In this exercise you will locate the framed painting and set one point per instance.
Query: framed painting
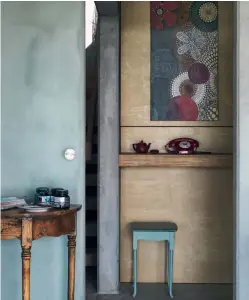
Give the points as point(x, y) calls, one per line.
point(184, 61)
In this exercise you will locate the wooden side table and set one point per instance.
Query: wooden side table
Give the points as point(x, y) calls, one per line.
point(18, 224)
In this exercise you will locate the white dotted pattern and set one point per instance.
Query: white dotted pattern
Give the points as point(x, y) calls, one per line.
point(176, 83)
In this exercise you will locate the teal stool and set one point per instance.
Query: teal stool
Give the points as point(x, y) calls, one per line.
point(154, 231)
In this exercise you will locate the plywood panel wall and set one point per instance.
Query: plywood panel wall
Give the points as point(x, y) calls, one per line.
point(198, 200)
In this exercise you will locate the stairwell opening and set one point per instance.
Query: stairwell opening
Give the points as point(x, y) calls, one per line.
point(91, 217)
point(91, 34)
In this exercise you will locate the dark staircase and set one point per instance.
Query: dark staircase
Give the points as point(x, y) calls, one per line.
point(91, 218)
point(91, 165)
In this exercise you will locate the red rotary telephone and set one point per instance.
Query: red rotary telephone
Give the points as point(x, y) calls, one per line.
point(182, 146)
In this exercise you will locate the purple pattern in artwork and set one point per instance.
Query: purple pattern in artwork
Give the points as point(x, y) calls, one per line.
point(184, 61)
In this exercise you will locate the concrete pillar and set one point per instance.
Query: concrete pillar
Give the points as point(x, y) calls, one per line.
point(241, 115)
point(108, 193)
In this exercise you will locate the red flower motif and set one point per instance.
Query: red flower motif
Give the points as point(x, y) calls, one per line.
point(163, 11)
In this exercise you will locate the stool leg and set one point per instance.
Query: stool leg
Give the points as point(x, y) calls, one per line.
point(134, 266)
point(170, 264)
point(170, 272)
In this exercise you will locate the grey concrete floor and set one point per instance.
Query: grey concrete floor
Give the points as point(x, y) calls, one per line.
point(157, 291)
point(153, 291)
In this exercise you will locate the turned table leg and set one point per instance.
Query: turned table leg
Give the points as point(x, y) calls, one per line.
point(26, 256)
point(71, 265)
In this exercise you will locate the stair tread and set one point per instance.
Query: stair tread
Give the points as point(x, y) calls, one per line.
point(93, 160)
point(91, 229)
point(91, 233)
point(91, 180)
point(91, 250)
point(91, 224)
point(91, 259)
point(91, 204)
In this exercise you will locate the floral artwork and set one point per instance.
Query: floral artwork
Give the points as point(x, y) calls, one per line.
point(184, 61)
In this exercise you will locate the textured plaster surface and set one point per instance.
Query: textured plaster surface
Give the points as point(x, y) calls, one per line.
point(108, 194)
point(42, 114)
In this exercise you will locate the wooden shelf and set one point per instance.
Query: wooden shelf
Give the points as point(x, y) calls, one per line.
point(176, 161)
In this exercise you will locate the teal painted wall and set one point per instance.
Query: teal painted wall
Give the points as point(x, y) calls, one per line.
point(42, 115)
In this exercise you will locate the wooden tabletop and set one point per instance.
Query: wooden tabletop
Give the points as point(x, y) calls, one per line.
point(18, 213)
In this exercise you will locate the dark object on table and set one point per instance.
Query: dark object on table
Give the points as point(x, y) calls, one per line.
point(182, 146)
point(60, 198)
point(42, 196)
point(154, 151)
point(54, 190)
point(141, 147)
point(11, 202)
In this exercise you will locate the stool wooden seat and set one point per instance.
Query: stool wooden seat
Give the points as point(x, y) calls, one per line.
point(154, 231)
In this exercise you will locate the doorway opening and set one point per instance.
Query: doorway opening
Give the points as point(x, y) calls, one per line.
point(91, 43)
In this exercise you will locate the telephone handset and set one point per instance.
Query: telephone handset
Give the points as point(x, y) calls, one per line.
point(182, 146)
